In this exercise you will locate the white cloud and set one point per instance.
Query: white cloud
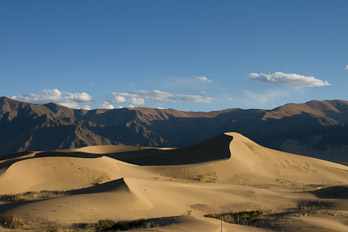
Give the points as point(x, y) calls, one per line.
point(347, 67)
point(154, 95)
point(193, 98)
point(254, 75)
point(86, 107)
point(67, 99)
point(204, 79)
point(134, 95)
point(138, 97)
point(48, 95)
point(119, 99)
point(289, 79)
point(136, 101)
point(80, 97)
point(69, 104)
point(107, 105)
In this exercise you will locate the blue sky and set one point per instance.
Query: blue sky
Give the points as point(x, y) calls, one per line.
point(185, 54)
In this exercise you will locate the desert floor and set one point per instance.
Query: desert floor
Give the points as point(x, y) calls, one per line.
point(252, 188)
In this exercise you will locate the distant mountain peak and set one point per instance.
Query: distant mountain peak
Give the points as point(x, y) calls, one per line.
point(315, 128)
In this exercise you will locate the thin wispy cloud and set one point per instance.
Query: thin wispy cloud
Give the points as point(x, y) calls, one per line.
point(64, 98)
point(289, 79)
point(204, 79)
point(263, 98)
point(192, 98)
point(347, 67)
point(139, 97)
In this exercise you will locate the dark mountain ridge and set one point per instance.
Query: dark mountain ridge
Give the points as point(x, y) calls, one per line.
point(315, 128)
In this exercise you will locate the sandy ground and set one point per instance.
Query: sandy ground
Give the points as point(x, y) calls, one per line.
point(227, 174)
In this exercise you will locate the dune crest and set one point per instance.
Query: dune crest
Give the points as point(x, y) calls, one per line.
point(250, 163)
point(227, 173)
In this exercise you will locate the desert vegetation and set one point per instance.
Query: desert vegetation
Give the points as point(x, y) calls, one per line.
point(32, 195)
point(13, 222)
point(17, 223)
point(273, 220)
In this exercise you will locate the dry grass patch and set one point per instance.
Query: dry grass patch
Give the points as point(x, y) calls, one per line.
point(13, 222)
point(31, 196)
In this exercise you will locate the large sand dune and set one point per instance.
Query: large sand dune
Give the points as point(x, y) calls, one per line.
point(176, 187)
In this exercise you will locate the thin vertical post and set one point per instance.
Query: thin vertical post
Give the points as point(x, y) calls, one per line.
point(221, 225)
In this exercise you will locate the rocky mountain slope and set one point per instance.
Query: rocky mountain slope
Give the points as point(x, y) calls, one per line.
point(316, 128)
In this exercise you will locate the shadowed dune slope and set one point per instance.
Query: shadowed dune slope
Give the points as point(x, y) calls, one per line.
point(230, 157)
point(333, 192)
point(249, 163)
point(211, 150)
point(223, 174)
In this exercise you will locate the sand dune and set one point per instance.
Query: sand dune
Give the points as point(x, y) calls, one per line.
point(250, 163)
point(226, 174)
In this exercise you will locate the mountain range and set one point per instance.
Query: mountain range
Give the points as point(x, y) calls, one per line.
point(316, 128)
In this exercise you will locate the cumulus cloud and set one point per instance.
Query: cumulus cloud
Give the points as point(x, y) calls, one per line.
point(119, 99)
point(289, 79)
point(80, 97)
point(347, 67)
point(138, 97)
point(136, 101)
point(67, 99)
point(107, 105)
point(204, 79)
